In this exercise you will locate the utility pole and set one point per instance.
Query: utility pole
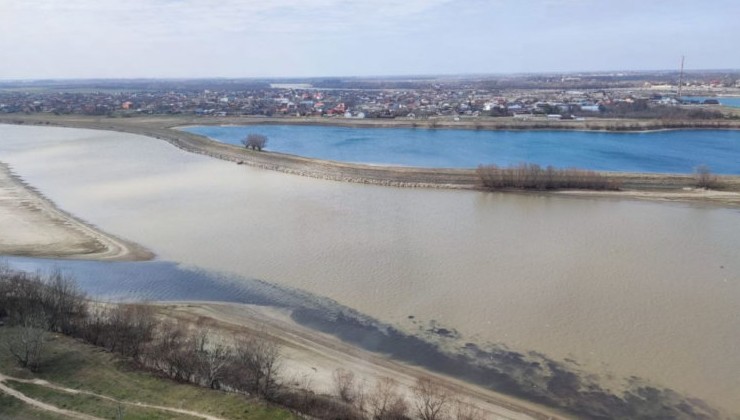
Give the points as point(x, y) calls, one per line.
point(680, 78)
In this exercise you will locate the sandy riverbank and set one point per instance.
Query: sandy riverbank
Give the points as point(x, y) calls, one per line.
point(311, 357)
point(662, 187)
point(692, 195)
point(32, 225)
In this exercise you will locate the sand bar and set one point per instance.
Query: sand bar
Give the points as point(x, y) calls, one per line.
point(31, 225)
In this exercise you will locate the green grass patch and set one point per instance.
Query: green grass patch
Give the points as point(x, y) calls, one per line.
point(13, 408)
point(92, 405)
point(72, 364)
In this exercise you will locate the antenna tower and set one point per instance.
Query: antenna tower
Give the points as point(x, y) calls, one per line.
point(680, 78)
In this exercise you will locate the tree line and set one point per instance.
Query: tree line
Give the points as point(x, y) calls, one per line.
point(33, 305)
point(530, 176)
point(640, 108)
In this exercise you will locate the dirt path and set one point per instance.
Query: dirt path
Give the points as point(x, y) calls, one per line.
point(41, 405)
point(52, 408)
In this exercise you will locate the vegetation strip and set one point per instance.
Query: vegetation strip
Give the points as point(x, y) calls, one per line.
point(534, 177)
point(45, 384)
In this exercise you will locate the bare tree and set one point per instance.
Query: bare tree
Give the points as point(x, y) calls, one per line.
point(142, 326)
point(26, 344)
point(258, 362)
point(166, 353)
point(385, 402)
point(183, 359)
point(344, 385)
point(21, 296)
point(65, 303)
point(213, 360)
point(704, 178)
point(93, 328)
point(54, 300)
point(430, 399)
point(255, 141)
point(128, 328)
point(306, 397)
point(361, 397)
point(467, 411)
point(533, 176)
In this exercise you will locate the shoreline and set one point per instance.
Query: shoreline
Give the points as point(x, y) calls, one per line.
point(33, 226)
point(312, 355)
point(611, 125)
point(643, 186)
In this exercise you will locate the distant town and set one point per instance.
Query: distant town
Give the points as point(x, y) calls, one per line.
point(570, 96)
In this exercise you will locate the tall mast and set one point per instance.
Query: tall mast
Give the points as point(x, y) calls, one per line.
point(680, 79)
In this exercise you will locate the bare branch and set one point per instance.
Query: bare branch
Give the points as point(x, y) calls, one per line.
point(430, 399)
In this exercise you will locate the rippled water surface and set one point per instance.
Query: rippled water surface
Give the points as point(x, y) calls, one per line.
point(631, 288)
point(662, 152)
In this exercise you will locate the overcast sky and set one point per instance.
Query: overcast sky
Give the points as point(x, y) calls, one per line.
point(296, 38)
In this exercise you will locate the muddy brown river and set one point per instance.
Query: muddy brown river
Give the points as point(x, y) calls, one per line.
point(621, 287)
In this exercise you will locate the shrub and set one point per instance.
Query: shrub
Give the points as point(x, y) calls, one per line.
point(704, 178)
point(529, 176)
point(255, 141)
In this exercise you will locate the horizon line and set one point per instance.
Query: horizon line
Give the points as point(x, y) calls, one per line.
point(379, 76)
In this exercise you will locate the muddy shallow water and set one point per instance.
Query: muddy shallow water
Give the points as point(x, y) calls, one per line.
point(621, 287)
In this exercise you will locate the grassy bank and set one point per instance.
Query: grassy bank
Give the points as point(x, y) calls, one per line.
point(12, 408)
point(92, 405)
point(79, 366)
